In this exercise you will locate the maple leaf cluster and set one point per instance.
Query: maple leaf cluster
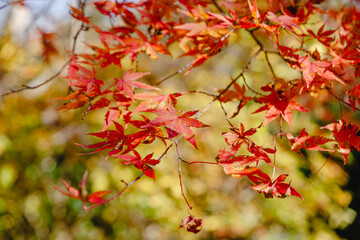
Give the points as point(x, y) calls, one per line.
point(192, 224)
point(138, 113)
point(247, 165)
point(81, 193)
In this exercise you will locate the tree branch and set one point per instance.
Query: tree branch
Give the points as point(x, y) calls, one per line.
point(36, 86)
point(175, 73)
point(226, 114)
point(25, 87)
point(340, 99)
point(265, 52)
point(217, 6)
point(228, 86)
point(179, 169)
point(10, 3)
point(119, 193)
point(82, 27)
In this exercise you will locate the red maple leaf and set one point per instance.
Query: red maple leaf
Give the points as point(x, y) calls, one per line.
point(260, 152)
point(128, 83)
point(83, 78)
point(354, 96)
point(286, 21)
point(49, 48)
point(237, 95)
point(321, 68)
point(323, 36)
point(347, 135)
point(109, 8)
point(104, 56)
point(237, 136)
point(237, 166)
point(144, 164)
point(277, 188)
point(179, 123)
point(192, 224)
point(75, 100)
point(112, 115)
point(81, 193)
point(279, 103)
point(152, 100)
point(115, 140)
point(79, 14)
point(146, 136)
point(304, 141)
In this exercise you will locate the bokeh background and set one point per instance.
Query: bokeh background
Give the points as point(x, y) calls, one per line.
point(37, 150)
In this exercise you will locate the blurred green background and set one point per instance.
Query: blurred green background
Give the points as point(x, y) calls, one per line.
point(37, 150)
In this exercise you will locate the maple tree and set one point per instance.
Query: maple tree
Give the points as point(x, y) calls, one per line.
point(137, 113)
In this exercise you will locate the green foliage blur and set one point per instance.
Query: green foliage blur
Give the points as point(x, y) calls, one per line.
point(37, 150)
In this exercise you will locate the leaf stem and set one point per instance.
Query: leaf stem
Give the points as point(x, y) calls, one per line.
point(324, 163)
point(180, 179)
point(119, 193)
point(25, 87)
point(226, 114)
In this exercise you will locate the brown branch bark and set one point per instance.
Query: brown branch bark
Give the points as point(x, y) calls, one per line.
point(180, 178)
point(25, 87)
point(39, 85)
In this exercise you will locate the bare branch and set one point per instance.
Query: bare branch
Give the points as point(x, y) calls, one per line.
point(325, 163)
point(205, 93)
point(175, 73)
point(247, 85)
point(10, 3)
point(127, 185)
point(265, 52)
point(217, 6)
point(179, 169)
point(25, 87)
point(226, 114)
point(269, 64)
point(83, 27)
point(227, 35)
point(229, 85)
point(340, 99)
point(197, 162)
point(36, 86)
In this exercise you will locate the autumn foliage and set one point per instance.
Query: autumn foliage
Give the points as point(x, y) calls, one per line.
point(138, 113)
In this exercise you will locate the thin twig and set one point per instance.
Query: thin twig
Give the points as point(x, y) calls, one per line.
point(265, 52)
point(127, 185)
point(340, 99)
point(217, 6)
point(179, 169)
point(39, 85)
point(82, 27)
point(135, 180)
point(199, 162)
point(25, 87)
point(274, 170)
point(324, 163)
point(10, 3)
point(175, 73)
point(238, 76)
point(251, 89)
point(228, 86)
point(269, 64)
point(205, 93)
point(226, 114)
point(223, 38)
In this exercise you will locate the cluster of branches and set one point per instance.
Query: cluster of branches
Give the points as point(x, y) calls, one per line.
point(202, 29)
